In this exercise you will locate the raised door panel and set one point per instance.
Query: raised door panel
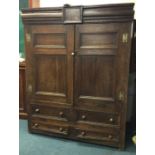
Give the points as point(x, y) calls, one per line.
point(50, 64)
point(51, 74)
point(98, 66)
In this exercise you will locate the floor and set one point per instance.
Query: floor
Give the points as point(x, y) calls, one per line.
point(35, 144)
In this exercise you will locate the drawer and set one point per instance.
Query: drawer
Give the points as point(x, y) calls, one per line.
point(50, 126)
point(98, 117)
point(53, 112)
point(98, 136)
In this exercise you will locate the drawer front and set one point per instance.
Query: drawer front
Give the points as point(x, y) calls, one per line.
point(53, 112)
point(83, 132)
point(98, 117)
point(50, 126)
point(98, 136)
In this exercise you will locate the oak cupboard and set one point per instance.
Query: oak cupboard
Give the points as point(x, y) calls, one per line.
point(77, 61)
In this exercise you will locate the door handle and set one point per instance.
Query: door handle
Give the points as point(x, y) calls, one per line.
point(72, 53)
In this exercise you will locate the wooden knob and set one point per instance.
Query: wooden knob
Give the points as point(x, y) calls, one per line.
point(61, 129)
point(110, 136)
point(83, 133)
point(37, 110)
point(35, 125)
point(83, 117)
point(61, 114)
point(111, 120)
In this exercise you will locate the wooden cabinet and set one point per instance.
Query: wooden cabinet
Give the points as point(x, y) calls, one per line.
point(77, 71)
point(22, 103)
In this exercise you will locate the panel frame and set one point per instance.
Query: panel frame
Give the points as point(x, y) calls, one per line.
point(41, 97)
point(105, 103)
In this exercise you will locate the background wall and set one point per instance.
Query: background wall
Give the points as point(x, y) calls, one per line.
point(22, 4)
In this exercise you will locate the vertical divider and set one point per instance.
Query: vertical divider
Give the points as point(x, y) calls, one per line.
point(70, 57)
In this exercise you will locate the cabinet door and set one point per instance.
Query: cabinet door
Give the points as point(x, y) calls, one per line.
point(49, 63)
point(101, 66)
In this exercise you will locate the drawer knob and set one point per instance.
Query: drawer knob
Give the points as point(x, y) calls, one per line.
point(61, 114)
point(111, 120)
point(83, 133)
point(60, 129)
point(35, 125)
point(37, 110)
point(83, 116)
point(72, 53)
point(110, 136)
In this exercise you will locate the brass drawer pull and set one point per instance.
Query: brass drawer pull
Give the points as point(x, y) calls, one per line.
point(83, 117)
point(61, 114)
point(37, 110)
point(110, 137)
point(61, 129)
point(83, 133)
point(35, 125)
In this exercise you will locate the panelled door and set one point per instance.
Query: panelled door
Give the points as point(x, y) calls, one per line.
point(101, 66)
point(50, 63)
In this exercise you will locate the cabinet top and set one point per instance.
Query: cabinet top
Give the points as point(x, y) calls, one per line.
point(79, 14)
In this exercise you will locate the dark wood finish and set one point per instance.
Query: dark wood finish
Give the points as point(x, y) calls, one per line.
point(91, 14)
point(77, 71)
point(22, 103)
point(72, 14)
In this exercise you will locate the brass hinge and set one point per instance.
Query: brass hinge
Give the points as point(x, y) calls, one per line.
point(28, 37)
point(29, 88)
point(125, 37)
point(121, 96)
